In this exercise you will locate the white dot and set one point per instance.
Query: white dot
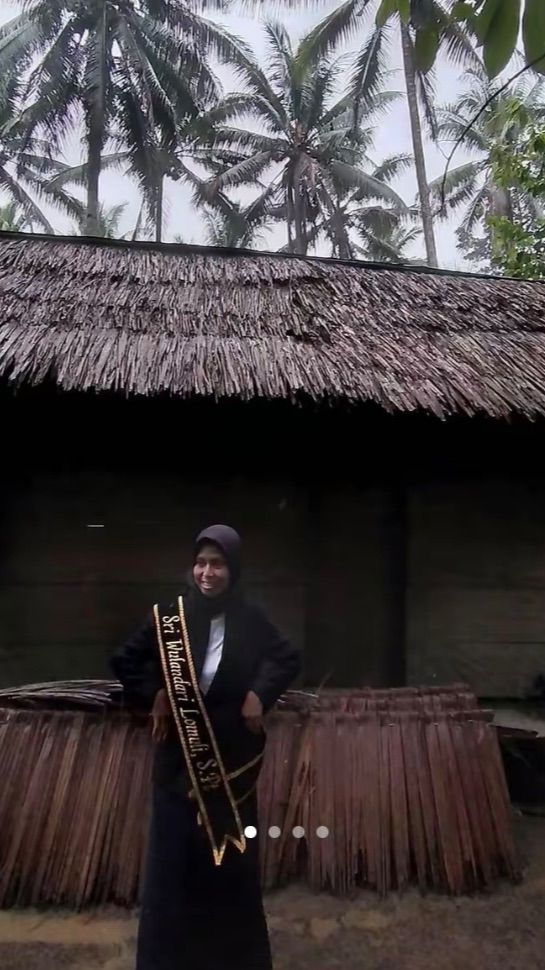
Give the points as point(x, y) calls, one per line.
point(275, 832)
point(298, 832)
point(322, 831)
point(250, 831)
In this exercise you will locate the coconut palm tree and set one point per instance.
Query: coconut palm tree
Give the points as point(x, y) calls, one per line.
point(471, 186)
point(386, 235)
point(109, 219)
point(372, 231)
point(353, 224)
point(296, 143)
point(428, 27)
point(128, 70)
point(26, 172)
point(12, 219)
point(232, 227)
point(227, 222)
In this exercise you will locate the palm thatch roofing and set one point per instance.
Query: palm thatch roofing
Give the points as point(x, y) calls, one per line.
point(143, 319)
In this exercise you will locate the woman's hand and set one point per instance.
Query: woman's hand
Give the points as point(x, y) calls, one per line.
point(252, 712)
point(160, 714)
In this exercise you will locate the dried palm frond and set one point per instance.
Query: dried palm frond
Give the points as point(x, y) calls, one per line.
point(409, 784)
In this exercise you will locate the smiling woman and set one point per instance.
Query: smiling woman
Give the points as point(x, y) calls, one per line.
point(211, 572)
point(207, 668)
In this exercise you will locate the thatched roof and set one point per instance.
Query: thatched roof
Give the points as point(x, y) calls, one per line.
point(144, 319)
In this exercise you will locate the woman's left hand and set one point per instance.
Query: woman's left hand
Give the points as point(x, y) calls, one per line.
point(252, 712)
point(161, 714)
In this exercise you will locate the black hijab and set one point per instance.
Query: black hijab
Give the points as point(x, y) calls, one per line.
point(228, 542)
point(202, 609)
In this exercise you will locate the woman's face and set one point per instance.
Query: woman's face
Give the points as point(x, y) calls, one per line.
point(210, 571)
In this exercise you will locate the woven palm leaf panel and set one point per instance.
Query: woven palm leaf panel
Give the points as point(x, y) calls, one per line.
point(405, 788)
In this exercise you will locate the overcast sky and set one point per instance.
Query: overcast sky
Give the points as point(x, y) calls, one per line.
point(392, 136)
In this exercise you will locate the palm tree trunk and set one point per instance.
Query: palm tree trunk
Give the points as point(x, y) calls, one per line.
point(290, 218)
point(341, 232)
point(418, 146)
point(93, 175)
point(300, 234)
point(96, 115)
point(159, 208)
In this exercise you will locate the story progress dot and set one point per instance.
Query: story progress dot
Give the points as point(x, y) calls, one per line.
point(275, 832)
point(322, 831)
point(298, 832)
point(250, 831)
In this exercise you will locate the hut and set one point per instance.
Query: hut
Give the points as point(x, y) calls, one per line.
point(375, 432)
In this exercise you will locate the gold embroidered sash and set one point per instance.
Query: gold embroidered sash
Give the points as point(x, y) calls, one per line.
point(218, 810)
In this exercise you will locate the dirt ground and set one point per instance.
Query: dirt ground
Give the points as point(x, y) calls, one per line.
point(501, 931)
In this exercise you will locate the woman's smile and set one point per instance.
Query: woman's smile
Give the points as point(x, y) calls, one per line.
point(210, 571)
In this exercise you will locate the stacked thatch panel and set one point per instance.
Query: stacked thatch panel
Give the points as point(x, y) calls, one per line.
point(385, 789)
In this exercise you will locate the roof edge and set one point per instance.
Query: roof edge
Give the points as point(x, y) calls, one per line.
point(230, 251)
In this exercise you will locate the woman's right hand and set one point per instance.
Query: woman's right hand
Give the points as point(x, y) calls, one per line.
point(160, 715)
point(252, 712)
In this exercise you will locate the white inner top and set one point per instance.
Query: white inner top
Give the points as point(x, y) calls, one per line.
point(213, 652)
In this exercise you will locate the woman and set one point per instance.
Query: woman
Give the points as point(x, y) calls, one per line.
point(207, 668)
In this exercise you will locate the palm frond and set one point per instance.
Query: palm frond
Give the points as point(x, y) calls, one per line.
point(334, 30)
point(139, 139)
point(12, 219)
point(228, 49)
point(267, 205)
point(243, 106)
point(53, 87)
point(393, 166)
point(280, 57)
point(459, 189)
point(180, 71)
point(15, 190)
point(426, 93)
point(239, 140)
point(78, 174)
point(19, 39)
point(453, 128)
point(56, 197)
point(378, 248)
point(380, 220)
point(457, 179)
point(458, 42)
point(159, 108)
point(475, 212)
point(317, 88)
point(380, 103)
point(246, 172)
point(341, 109)
point(349, 177)
point(370, 71)
point(27, 160)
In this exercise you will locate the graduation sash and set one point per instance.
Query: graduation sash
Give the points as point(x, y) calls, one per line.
point(218, 811)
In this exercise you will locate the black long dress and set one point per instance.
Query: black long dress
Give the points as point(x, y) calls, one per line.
point(196, 915)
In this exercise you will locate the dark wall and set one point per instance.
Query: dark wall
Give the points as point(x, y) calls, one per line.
point(387, 546)
point(356, 623)
point(70, 591)
point(476, 594)
point(321, 544)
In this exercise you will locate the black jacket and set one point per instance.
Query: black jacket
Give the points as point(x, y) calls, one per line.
point(255, 657)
